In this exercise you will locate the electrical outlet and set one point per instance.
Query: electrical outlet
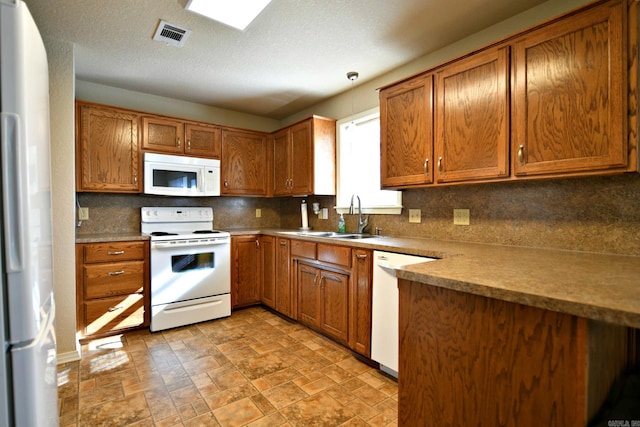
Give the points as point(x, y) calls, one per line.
point(415, 215)
point(258, 213)
point(83, 214)
point(461, 217)
point(324, 214)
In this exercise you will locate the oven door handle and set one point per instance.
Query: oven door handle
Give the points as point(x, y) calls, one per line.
point(165, 245)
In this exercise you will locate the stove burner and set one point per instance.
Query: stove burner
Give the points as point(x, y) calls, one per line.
point(206, 232)
point(163, 233)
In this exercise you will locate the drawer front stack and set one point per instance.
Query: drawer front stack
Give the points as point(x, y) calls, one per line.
point(113, 283)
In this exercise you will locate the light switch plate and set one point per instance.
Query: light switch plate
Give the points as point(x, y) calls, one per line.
point(461, 217)
point(415, 216)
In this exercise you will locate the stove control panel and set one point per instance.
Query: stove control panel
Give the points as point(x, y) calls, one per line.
point(171, 214)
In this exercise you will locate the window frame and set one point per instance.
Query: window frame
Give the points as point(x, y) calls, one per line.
point(343, 201)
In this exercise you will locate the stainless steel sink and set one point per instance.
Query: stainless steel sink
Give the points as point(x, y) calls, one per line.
point(355, 236)
point(334, 234)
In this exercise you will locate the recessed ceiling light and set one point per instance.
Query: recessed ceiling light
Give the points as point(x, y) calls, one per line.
point(236, 13)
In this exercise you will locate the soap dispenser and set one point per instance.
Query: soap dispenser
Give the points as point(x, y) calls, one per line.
point(341, 226)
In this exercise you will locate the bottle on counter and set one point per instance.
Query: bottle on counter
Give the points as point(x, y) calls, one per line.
point(341, 226)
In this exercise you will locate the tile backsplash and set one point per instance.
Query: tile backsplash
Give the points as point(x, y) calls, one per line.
point(595, 214)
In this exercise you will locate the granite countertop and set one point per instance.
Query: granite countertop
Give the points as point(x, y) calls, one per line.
point(109, 237)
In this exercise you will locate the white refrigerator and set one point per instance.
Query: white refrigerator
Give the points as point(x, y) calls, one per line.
point(28, 383)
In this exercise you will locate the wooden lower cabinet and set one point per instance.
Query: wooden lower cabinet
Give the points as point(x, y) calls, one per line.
point(472, 360)
point(360, 303)
point(112, 287)
point(323, 300)
point(283, 291)
point(245, 271)
point(268, 260)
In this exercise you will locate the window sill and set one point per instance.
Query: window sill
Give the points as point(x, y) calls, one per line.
point(376, 210)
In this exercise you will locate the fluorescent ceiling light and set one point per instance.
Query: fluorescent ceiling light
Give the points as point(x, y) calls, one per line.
point(235, 13)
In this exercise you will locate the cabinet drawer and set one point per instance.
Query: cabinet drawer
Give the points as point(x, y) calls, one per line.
point(303, 249)
point(114, 251)
point(340, 255)
point(110, 314)
point(118, 278)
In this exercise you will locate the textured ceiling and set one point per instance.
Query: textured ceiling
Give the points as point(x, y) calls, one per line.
point(294, 54)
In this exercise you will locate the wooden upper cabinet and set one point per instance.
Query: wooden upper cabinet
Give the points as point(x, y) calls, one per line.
point(173, 136)
point(406, 137)
point(472, 118)
point(304, 158)
point(281, 162)
point(107, 150)
point(162, 134)
point(244, 163)
point(569, 95)
point(202, 140)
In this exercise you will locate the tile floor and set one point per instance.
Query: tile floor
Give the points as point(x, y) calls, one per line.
point(253, 368)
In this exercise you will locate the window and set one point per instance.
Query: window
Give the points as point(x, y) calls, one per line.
point(359, 166)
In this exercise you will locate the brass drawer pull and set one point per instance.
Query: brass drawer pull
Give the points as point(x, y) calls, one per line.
point(115, 253)
point(116, 308)
point(361, 256)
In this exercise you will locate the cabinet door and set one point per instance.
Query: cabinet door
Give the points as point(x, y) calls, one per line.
point(283, 291)
point(162, 135)
point(202, 140)
point(360, 302)
point(281, 163)
point(334, 290)
point(308, 279)
point(108, 158)
point(301, 159)
point(246, 271)
point(243, 163)
point(406, 133)
point(570, 95)
point(268, 283)
point(472, 118)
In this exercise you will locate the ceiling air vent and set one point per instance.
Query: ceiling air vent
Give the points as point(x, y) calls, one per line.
point(171, 34)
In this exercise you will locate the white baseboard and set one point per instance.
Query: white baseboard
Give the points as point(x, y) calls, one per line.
point(70, 356)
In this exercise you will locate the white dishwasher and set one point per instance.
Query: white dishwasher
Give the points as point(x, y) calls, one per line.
point(384, 327)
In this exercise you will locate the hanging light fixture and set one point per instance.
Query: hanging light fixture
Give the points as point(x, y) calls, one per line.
point(353, 76)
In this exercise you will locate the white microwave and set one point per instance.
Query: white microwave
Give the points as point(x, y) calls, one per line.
point(168, 175)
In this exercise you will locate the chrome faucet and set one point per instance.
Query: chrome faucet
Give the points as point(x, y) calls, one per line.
point(362, 223)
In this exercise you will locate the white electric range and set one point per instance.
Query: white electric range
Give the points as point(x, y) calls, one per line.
point(190, 266)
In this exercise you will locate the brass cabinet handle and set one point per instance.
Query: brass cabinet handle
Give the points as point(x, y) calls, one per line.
point(135, 178)
point(115, 252)
point(179, 143)
point(116, 273)
point(283, 243)
point(226, 183)
point(426, 166)
point(521, 155)
point(440, 164)
point(117, 307)
point(361, 256)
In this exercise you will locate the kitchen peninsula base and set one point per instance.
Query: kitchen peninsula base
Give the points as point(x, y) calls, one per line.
point(472, 360)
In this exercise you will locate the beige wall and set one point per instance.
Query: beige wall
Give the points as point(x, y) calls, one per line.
point(61, 93)
point(108, 95)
